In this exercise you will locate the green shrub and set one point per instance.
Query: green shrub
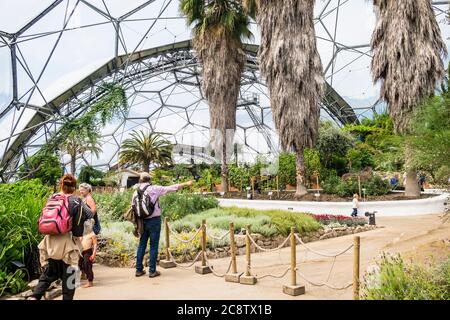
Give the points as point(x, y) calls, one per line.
point(178, 205)
point(376, 186)
point(396, 280)
point(112, 206)
point(20, 208)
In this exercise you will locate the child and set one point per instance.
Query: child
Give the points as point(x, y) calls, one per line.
point(355, 203)
point(89, 243)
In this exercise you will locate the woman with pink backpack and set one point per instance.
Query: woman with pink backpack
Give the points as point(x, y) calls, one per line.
point(62, 223)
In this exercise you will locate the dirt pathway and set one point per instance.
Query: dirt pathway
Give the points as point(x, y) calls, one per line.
point(398, 234)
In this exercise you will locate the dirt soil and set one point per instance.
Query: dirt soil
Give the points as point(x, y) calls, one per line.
point(290, 196)
point(418, 237)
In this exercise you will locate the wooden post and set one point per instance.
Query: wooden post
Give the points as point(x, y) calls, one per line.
point(293, 289)
point(293, 258)
point(356, 264)
point(203, 269)
point(167, 263)
point(234, 275)
point(247, 278)
point(359, 185)
point(253, 186)
point(203, 242)
point(278, 187)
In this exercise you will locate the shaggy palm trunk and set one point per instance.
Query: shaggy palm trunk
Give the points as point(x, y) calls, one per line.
point(222, 61)
point(412, 188)
point(73, 160)
point(146, 166)
point(407, 60)
point(224, 168)
point(301, 169)
point(291, 64)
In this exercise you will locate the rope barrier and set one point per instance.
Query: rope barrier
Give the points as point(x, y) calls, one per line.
point(218, 238)
point(183, 240)
point(324, 284)
point(268, 250)
point(274, 276)
point(184, 266)
point(220, 275)
point(320, 253)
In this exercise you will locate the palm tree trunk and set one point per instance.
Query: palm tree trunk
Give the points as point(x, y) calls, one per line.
point(224, 172)
point(301, 189)
point(146, 166)
point(73, 159)
point(412, 188)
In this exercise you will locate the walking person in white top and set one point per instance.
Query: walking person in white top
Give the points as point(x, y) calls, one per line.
point(355, 203)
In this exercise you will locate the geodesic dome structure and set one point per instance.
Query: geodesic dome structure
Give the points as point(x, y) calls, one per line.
point(54, 54)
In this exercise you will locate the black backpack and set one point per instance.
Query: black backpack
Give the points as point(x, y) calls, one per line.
point(143, 207)
point(78, 217)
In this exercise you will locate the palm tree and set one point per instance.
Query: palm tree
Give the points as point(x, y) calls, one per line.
point(219, 28)
point(407, 48)
point(291, 64)
point(146, 148)
point(77, 145)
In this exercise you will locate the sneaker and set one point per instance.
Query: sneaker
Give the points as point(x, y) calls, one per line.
point(154, 274)
point(140, 273)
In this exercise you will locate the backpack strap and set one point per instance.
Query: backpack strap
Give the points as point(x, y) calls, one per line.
point(142, 192)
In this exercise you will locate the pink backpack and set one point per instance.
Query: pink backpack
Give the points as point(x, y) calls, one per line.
point(55, 218)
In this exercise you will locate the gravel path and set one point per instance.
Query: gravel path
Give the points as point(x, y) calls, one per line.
point(398, 234)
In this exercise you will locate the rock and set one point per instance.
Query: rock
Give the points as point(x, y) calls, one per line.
point(241, 251)
point(240, 240)
point(220, 250)
point(26, 294)
point(260, 243)
point(33, 284)
point(321, 232)
point(52, 294)
point(256, 236)
point(306, 239)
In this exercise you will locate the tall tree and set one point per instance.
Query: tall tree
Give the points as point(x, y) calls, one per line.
point(407, 60)
point(291, 64)
point(76, 145)
point(219, 28)
point(146, 148)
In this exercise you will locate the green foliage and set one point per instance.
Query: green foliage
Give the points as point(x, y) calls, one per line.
point(226, 16)
point(442, 175)
point(121, 244)
point(397, 280)
point(91, 175)
point(379, 141)
point(430, 134)
point(266, 222)
point(312, 162)
point(360, 157)
point(44, 166)
point(287, 169)
point(374, 186)
point(177, 205)
point(146, 148)
point(20, 208)
point(333, 144)
point(111, 103)
point(112, 206)
point(208, 178)
point(239, 176)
